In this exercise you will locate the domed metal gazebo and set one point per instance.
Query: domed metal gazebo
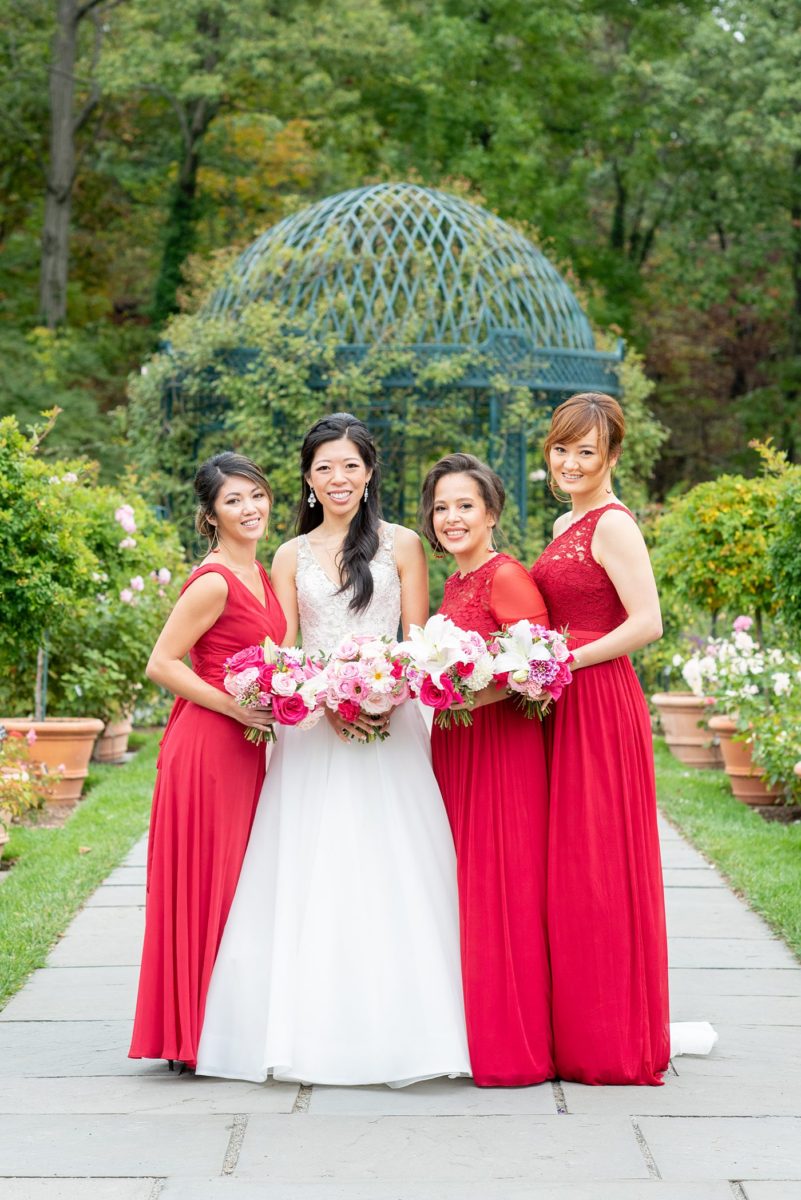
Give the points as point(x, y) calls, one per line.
point(409, 266)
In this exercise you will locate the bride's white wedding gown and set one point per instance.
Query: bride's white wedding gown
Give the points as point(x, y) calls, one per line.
point(340, 959)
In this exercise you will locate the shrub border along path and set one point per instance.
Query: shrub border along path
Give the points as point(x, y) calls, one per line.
point(58, 869)
point(761, 860)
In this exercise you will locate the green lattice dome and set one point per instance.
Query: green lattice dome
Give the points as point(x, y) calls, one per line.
point(407, 265)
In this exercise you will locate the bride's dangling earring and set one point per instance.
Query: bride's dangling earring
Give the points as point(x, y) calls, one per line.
point(312, 498)
point(366, 493)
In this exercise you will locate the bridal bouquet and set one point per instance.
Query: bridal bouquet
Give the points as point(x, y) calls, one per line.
point(533, 663)
point(445, 667)
point(364, 675)
point(282, 678)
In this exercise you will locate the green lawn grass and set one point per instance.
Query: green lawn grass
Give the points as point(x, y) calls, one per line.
point(57, 869)
point(760, 859)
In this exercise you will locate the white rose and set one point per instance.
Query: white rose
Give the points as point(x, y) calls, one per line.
point(283, 684)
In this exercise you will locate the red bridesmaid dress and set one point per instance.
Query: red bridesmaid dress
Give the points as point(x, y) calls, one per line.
point(208, 782)
point(606, 914)
point(493, 779)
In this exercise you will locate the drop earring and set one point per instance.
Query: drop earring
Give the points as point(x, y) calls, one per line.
point(312, 498)
point(366, 493)
point(214, 544)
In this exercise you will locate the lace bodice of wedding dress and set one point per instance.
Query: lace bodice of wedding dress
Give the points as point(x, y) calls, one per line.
point(325, 615)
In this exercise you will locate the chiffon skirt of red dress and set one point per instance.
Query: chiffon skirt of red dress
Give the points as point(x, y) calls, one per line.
point(208, 782)
point(494, 783)
point(606, 916)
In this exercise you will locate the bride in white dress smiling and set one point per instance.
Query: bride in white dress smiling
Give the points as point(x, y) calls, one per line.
point(340, 959)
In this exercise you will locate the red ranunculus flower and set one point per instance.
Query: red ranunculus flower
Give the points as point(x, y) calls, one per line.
point(348, 710)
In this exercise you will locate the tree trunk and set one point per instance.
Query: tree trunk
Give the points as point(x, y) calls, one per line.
point(180, 235)
point(61, 168)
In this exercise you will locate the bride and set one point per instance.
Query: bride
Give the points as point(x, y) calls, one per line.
point(340, 959)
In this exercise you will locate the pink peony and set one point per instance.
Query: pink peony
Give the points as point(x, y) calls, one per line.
point(289, 710)
point(348, 710)
point(240, 681)
point(441, 697)
point(251, 656)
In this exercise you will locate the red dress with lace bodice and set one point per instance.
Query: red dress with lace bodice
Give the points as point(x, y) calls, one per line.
point(606, 916)
point(493, 779)
point(208, 782)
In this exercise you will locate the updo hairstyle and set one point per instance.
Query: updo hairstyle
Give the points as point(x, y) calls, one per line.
point(489, 484)
point(209, 479)
point(576, 417)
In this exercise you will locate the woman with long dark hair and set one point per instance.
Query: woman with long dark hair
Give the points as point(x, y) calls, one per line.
point(209, 775)
point(340, 960)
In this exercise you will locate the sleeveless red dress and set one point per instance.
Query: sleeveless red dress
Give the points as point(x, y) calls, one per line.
point(207, 785)
point(493, 780)
point(606, 915)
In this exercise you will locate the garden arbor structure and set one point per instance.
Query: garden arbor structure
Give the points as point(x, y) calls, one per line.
point(410, 268)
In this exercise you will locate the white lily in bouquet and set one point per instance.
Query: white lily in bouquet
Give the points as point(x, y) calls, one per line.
point(533, 662)
point(446, 666)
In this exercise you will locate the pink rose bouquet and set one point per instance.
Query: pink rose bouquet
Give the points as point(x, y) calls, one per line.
point(365, 675)
point(284, 679)
point(445, 667)
point(533, 663)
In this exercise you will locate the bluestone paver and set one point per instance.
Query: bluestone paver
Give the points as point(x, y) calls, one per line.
point(81, 1121)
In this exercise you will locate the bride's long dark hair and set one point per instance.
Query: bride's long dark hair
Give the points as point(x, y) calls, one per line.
point(361, 542)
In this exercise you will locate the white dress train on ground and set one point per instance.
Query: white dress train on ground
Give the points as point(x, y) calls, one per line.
point(340, 959)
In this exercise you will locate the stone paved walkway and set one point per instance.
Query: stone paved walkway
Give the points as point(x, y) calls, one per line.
point(79, 1121)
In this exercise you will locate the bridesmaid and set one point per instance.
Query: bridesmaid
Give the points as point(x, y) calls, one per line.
point(493, 780)
point(209, 776)
point(606, 917)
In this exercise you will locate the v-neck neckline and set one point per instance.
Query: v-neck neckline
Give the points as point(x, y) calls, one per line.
point(319, 565)
point(261, 573)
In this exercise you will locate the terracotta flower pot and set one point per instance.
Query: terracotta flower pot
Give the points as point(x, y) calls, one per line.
point(112, 744)
point(65, 746)
point(681, 714)
point(746, 779)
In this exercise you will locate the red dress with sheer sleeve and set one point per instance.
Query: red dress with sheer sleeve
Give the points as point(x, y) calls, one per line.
point(606, 916)
point(207, 785)
point(493, 779)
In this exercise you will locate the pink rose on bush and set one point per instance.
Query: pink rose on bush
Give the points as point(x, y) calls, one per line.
point(289, 710)
point(138, 583)
point(743, 624)
point(164, 575)
point(126, 595)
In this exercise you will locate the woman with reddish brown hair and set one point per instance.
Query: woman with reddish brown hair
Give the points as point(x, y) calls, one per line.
point(606, 918)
